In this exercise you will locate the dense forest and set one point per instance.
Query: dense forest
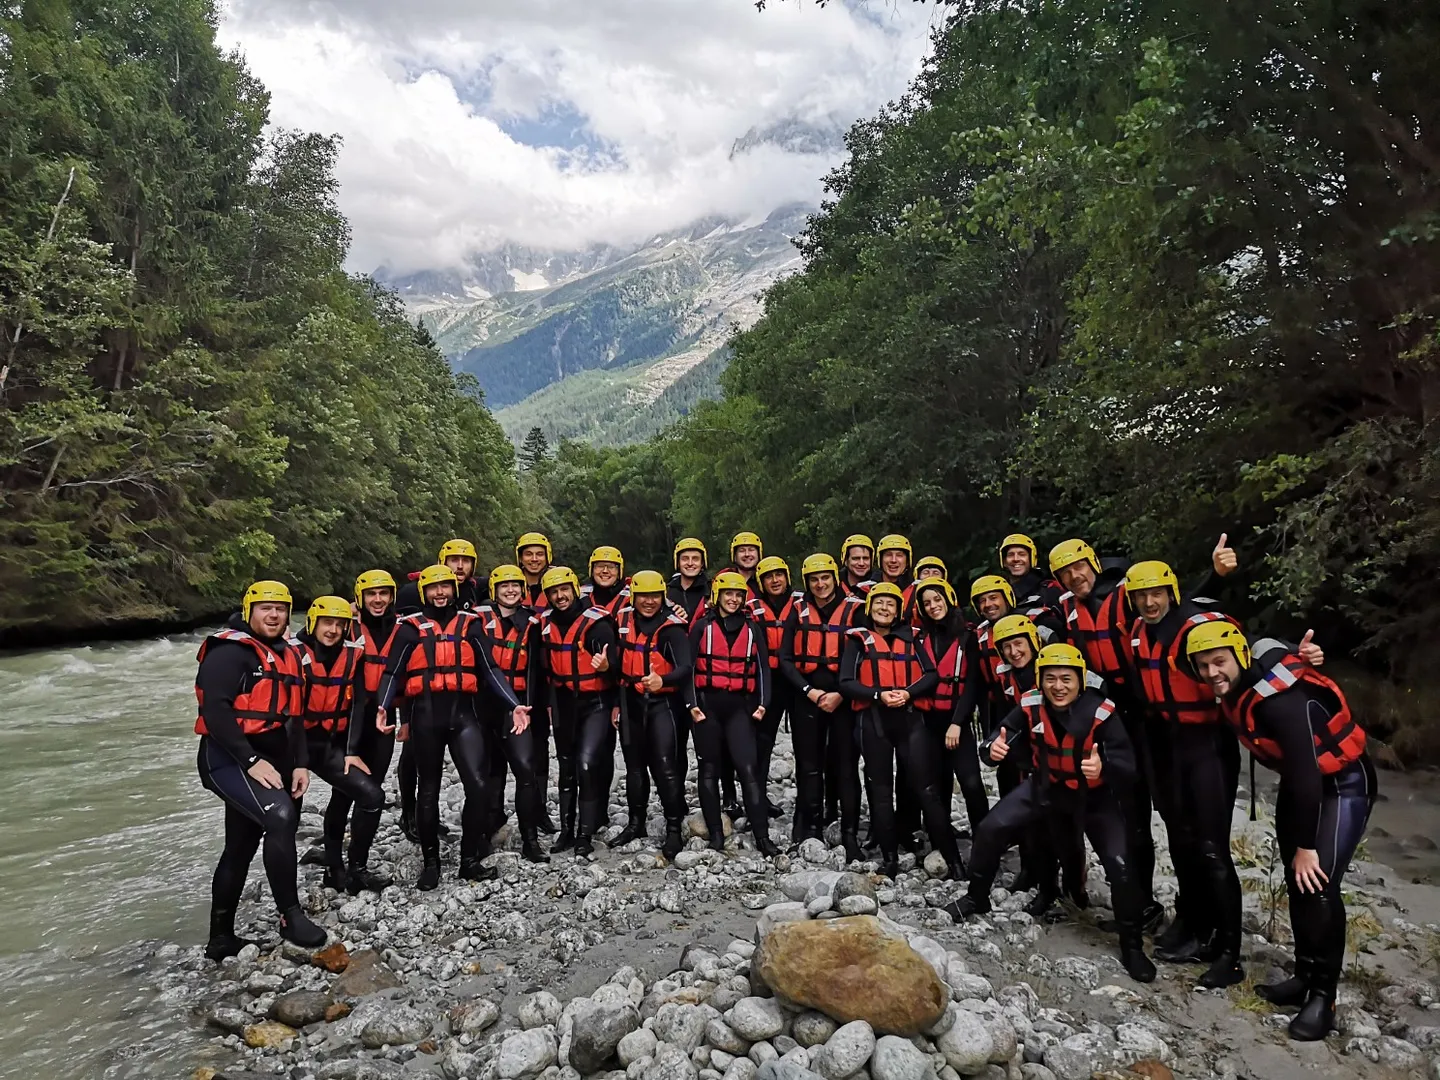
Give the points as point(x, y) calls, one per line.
point(193, 392)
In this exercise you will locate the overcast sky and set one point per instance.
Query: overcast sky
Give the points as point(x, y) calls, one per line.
point(559, 123)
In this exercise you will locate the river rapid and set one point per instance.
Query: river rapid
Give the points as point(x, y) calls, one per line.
point(107, 842)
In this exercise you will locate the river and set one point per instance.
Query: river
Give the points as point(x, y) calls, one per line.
point(107, 842)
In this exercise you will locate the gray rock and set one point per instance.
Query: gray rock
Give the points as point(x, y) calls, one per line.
point(599, 902)
point(762, 1052)
point(851, 884)
point(935, 865)
point(1081, 970)
point(669, 1063)
point(755, 1018)
point(814, 851)
point(967, 1044)
point(847, 1051)
point(300, 1007)
point(797, 886)
point(456, 1061)
point(1356, 1023)
point(1138, 1043)
point(225, 1018)
point(819, 904)
point(681, 1025)
point(742, 1068)
point(785, 1070)
point(776, 914)
point(898, 1059)
point(1080, 1055)
point(596, 1032)
point(812, 1028)
point(398, 1025)
point(473, 1017)
point(539, 1009)
point(859, 905)
point(527, 1053)
point(640, 1043)
point(1034, 1071)
point(969, 986)
point(722, 1036)
point(1399, 1055)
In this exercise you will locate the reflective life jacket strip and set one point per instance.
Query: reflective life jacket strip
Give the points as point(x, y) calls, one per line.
point(885, 665)
point(953, 668)
point(329, 692)
point(444, 661)
point(277, 694)
point(509, 650)
point(818, 644)
point(723, 665)
point(1172, 693)
point(567, 660)
point(1054, 751)
point(375, 658)
point(1099, 636)
point(638, 656)
point(1338, 742)
point(774, 626)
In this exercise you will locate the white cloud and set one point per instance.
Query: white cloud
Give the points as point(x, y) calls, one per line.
point(455, 113)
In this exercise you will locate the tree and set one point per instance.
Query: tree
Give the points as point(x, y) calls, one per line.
point(534, 451)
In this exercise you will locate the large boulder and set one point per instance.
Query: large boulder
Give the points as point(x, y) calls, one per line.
point(853, 969)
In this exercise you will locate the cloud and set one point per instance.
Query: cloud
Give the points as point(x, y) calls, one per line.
point(561, 123)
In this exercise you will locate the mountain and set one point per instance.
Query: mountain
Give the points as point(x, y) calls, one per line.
point(601, 344)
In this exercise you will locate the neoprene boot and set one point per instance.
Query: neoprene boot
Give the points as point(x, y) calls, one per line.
point(530, 849)
point(890, 864)
point(296, 927)
point(851, 844)
point(1316, 1017)
point(429, 876)
point(223, 941)
point(1291, 991)
point(360, 879)
point(673, 842)
point(590, 813)
point(566, 839)
point(472, 869)
point(635, 829)
point(1133, 959)
point(976, 901)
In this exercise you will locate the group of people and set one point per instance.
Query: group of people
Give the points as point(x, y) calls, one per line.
point(1097, 690)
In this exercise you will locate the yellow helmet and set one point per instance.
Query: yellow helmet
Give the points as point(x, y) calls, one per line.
point(1058, 656)
point(1019, 540)
point(373, 579)
point(1219, 634)
point(534, 539)
point(885, 588)
point(933, 560)
point(327, 607)
point(606, 553)
point(647, 582)
point(770, 564)
point(727, 580)
point(264, 592)
point(1013, 626)
point(819, 563)
point(503, 573)
point(937, 583)
point(457, 547)
point(1068, 552)
point(741, 539)
point(689, 543)
point(433, 575)
point(988, 584)
point(857, 540)
point(559, 575)
point(895, 542)
point(1152, 575)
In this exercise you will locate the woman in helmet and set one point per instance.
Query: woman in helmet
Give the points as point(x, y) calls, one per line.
point(440, 663)
point(883, 672)
point(1082, 758)
point(771, 609)
point(732, 694)
point(253, 756)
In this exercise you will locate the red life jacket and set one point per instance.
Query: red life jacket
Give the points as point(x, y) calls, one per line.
point(538, 601)
point(990, 659)
point(774, 625)
point(444, 661)
point(566, 657)
point(885, 664)
point(274, 698)
point(859, 590)
point(721, 665)
point(376, 655)
point(638, 655)
point(1054, 751)
point(329, 692)
point(509, 646)
point(1339, 743)
point(818, 643)
point(1170, 691)
point(1100, 636)
point(953, 668)
point(612, 606)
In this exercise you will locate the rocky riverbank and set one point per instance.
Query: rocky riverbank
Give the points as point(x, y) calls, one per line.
point(736, 967)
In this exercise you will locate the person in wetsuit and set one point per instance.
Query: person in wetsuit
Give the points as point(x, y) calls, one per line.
point(508, 625)
point(252, 755)
point(810, 649)
point(770, 610)
point(731, 702)
point(572, 653)
point(858, 556)
point(606, 587)
point(689, 590)
point(440, 662)
point(1031, 587)
point(334, 716)
point(655, 670)
point(1297, 722)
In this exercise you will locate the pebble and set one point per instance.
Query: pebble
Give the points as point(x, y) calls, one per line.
point(813, 1028)
point(847, 1051)
point(527, 1053)
point(858, 905)
point(755, 1018)
point(898, 1059)
point(638, 1044)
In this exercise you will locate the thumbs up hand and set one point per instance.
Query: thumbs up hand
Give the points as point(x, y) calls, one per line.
point(1223, 558)
point(600, 661)
point(652, 683)
point(999, 748)
point(1308, 651)
point(1092, 765)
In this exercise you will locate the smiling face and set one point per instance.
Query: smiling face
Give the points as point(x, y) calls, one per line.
point(992, 605)
point(269, 618)
point(730, 601)
point(533, 560)
point(747, 557)
point(894, 562)
point(928, 572)
point(377, 601)
point(884, 610)
point(605, 574)
point(329, 631)
point(691, 563)
point(509, 594)
point(1060, 685)
point(1017, 651)
point(858, 561)
point(934, 604)
point(1078, 578)
point(648, 604)
point(440, 594)
point(1017, 560)
point(821, 585)
point(1152, 605)
point(1219, 668)
point(775, 583)
point(561, 596)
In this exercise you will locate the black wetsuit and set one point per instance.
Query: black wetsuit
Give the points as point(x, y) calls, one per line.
point(375, 747)
point(518, 751)
point(650, 724)
point(961, 764)
point(253, 812)
point(782, 697)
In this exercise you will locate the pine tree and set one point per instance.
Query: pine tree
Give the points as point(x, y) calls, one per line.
point(534, 451)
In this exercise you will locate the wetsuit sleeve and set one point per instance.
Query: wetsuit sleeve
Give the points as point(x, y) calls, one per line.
point(675, 646)
point(220, 678)
point(850, 685)
point(407, 600)
point(1116, 751)
point(535, 668)
point(406, 639)
point(929, 678)
point(787, 654)
point(1017, 736)
point(1286, 719)
point(763, 679)
point(362, 711)
point(603, 635)
point(497, 683)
